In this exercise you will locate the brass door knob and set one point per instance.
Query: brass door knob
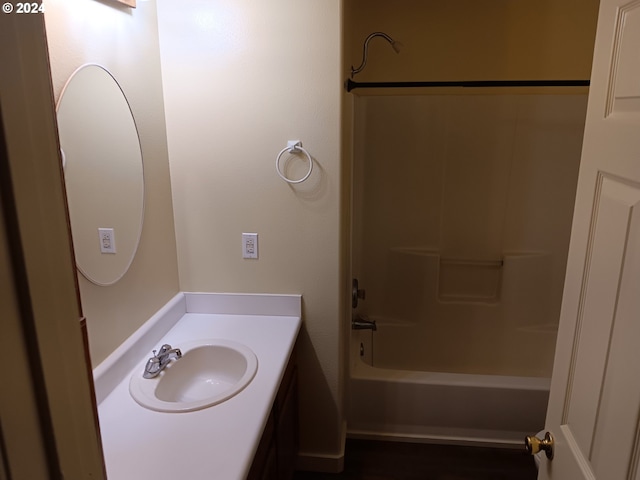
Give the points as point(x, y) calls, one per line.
point(534, 445)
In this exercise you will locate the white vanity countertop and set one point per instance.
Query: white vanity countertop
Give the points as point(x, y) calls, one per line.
point(213, 443)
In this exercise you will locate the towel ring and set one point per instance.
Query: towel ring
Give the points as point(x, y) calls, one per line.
point(294, 146)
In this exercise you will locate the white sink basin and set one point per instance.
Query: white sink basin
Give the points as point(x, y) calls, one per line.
point(209, 372)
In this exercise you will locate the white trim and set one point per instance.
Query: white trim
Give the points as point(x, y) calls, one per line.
point(313, 462)
point(244, 304)
point(477, 438)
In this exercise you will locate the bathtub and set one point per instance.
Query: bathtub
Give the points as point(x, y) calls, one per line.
point(437, 407)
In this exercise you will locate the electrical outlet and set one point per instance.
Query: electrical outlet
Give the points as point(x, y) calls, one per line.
point(107, 240)
point(249, 245)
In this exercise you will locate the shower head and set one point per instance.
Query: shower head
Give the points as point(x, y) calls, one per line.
point(365, 50)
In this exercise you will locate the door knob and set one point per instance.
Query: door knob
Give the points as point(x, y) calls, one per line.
point(533, 445)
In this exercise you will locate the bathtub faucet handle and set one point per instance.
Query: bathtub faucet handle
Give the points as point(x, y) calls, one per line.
point(356, 293)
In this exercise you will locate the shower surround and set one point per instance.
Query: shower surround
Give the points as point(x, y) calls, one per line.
point(462, 215)
point(462, 208)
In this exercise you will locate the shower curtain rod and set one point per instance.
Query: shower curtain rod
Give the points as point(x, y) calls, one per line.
point(351, 85)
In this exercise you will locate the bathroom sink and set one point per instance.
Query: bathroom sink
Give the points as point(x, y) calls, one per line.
point(210, 372)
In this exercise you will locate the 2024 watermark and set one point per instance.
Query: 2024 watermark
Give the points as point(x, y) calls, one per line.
point(20, 7)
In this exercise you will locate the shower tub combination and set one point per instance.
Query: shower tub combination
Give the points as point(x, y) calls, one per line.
point(468, 369)
point(462, 206)
point(405, 405)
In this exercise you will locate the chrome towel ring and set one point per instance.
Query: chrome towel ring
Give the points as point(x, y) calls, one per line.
point(293, 147)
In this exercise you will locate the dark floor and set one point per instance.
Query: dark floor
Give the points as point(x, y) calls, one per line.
point(374, 460)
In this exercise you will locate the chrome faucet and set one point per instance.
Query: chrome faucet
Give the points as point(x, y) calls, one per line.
point(160, 360)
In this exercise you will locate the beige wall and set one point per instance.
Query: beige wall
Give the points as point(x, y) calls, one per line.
point(472, 39)
point(125, 41)
point(240, 79)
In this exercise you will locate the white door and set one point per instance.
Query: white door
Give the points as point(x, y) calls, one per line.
point(594, 408)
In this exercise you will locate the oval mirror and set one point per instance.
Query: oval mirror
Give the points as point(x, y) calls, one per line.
point(103, 173)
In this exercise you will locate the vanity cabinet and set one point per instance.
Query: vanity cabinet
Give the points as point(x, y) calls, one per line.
point(276, 454)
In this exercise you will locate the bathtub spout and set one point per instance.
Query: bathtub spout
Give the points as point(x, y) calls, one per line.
point(360, 323)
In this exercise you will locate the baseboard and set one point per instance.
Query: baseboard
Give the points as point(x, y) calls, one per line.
point(312, 462)
point(475, 441)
